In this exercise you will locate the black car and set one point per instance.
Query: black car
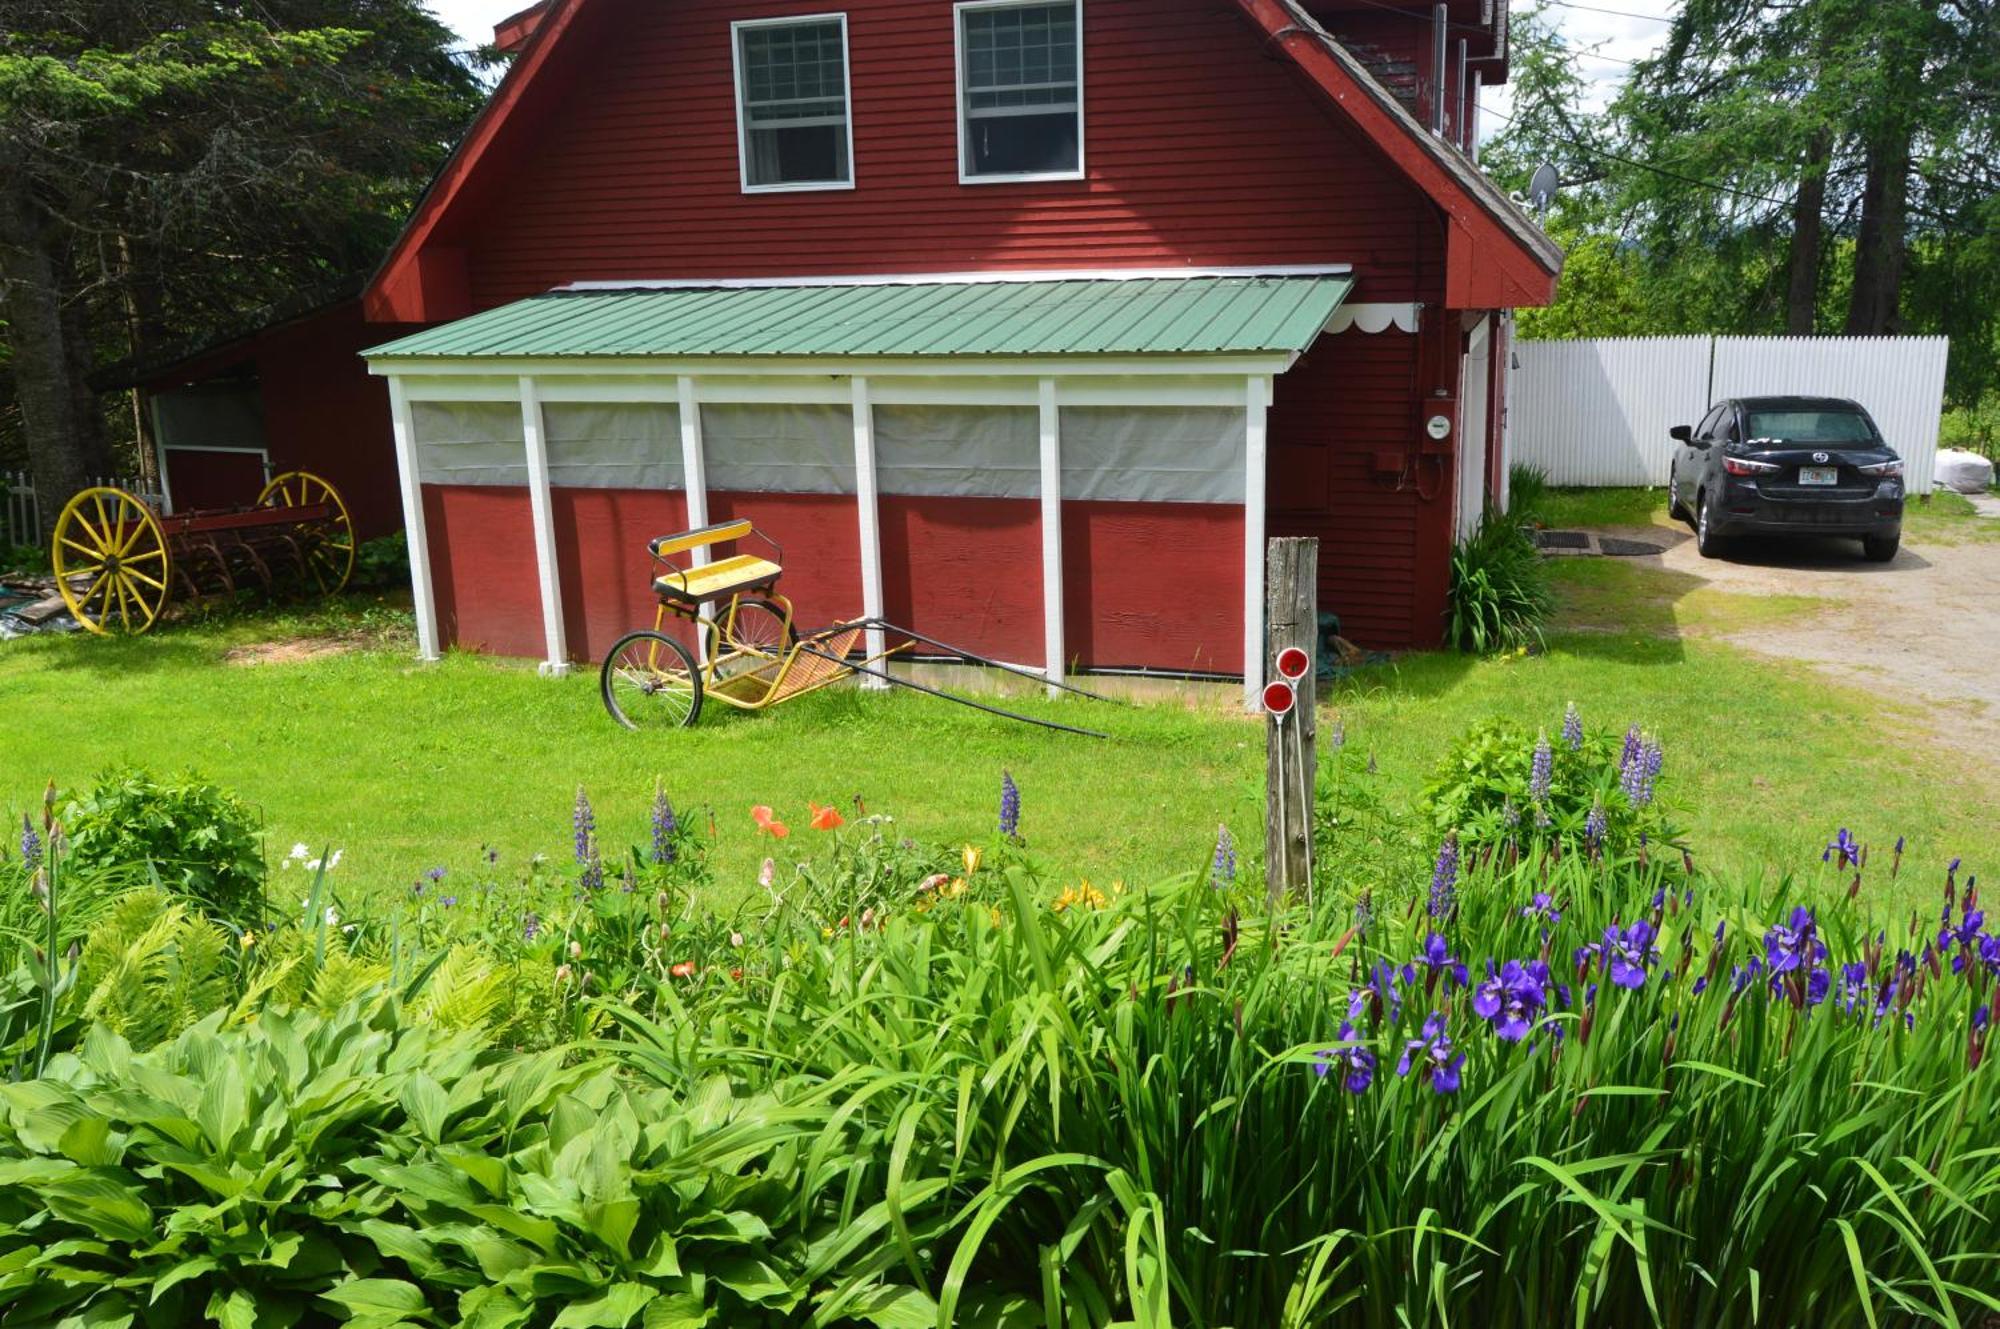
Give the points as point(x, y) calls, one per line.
point(1787, 466)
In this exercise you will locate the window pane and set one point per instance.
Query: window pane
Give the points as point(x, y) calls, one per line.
point(1021, 105)
point(794, 103)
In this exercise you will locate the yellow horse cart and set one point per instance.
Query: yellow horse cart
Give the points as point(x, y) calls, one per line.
point(724, 631)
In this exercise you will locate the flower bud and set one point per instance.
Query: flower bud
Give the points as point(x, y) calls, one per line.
point(576, 950)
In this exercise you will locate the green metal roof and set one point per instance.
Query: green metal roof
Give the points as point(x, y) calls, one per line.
point(1195, 315)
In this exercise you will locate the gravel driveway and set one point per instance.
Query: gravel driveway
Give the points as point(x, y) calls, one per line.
point(1924, 628)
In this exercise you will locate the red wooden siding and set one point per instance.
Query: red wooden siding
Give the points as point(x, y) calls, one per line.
point(820, 535)
point(204, 479)
point(482, 543)
point(605, 574)
point(323, 412)
point(1383, 556)
point(1154, 584)
point(1200, 150)
point(967, 571)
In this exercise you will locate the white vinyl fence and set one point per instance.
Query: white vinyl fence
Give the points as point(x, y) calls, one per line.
point(21, 510)
point(1597, 412)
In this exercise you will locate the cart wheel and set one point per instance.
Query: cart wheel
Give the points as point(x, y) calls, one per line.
point(329, 554)
point(650, 681)
point(758, 627)
point(111, 562)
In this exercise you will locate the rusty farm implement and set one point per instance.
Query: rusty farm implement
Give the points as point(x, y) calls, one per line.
point(119, 562)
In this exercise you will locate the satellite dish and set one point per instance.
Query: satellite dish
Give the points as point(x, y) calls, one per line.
point(1542, 187)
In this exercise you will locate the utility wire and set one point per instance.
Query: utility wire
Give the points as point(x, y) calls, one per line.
point(1621, 13)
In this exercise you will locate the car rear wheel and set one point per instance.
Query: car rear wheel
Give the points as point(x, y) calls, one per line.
point(1705, 538)
point(1880, 548)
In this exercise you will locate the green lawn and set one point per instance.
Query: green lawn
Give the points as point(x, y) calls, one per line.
point(408, 766)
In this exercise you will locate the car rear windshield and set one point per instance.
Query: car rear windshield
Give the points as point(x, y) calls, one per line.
point(1822, 429)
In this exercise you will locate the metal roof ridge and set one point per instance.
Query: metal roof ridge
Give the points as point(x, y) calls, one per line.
point(948, 278)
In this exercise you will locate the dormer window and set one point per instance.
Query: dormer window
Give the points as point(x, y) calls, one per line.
point(793, 129)
point(1020, 90)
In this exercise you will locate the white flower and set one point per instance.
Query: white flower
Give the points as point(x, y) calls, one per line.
point(332, 917)
point(299, 851)
point(334, 862)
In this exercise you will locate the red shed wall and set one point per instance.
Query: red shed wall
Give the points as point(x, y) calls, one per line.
point(1200, 150)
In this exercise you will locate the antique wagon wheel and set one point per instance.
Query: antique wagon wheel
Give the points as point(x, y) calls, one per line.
point(111, 561)
point(329, 551)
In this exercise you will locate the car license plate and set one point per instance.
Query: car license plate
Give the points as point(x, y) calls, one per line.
point(1819, 475)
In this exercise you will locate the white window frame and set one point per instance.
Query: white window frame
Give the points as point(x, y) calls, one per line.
point(736, 30)
point(965, 175)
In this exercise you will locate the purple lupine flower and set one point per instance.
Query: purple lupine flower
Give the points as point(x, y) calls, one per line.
point(1510, 996)
point(665, 823)
point(1509, 814)
point(1638, 768)
point(1438, 1063)
point(1338, 738)
point(1628, 953)
point(1542, 770)
point(1572, 727)
point(1444, 879)
point(1437, 958)
point(1634, 743)
point(531, 927)
point(1543, 906)
point(1594, 826)
point(1358, 1063)
point(1010, 806)
point(584, 822)
point(1222, 871)
point(31, 844)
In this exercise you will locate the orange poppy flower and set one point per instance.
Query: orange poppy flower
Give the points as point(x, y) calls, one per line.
point(825, 818)
point(769, 823)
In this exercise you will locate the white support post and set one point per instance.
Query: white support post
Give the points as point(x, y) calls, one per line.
point(413, 521)
point(1052, 560)
point(871, 520)
point(694, 472)
point(556, 658)
point(1257, 396)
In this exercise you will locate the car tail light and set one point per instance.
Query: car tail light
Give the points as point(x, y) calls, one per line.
point(1882, 470)
point(1738, 466)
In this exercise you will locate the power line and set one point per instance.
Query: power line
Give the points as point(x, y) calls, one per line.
point(1621, 13)
point(1662, 171)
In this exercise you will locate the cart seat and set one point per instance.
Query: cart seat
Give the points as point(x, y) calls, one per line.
point(718, 580)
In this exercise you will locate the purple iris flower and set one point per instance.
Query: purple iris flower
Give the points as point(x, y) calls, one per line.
point(1543, 906)
point(1794, 945)
point(1853, 985)
point(1379, 992)
point(1628, 952)
point(1437, 957)
point(1435, 1056)
point(1357, 1063)
point(1844, 845)
point(1510, 996)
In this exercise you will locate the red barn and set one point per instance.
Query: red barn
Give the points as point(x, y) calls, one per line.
point(1019, 322)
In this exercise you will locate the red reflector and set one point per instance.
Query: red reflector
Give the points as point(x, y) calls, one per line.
point(1293, 662)
point(1279, 697)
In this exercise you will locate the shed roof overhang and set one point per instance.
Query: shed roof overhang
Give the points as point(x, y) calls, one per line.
point(1255, 322)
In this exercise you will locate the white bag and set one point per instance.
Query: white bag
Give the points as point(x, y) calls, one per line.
point(1964, 472)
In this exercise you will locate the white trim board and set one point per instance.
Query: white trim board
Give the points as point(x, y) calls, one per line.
point(965, 175)
point(955, 278)
point(500, 369)
point(1375, 317)
point(736, 30)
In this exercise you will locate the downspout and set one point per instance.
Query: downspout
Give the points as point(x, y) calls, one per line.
point(1439, 23)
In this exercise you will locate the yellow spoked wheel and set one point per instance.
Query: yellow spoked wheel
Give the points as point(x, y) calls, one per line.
point(111, 561)
point(329, 544)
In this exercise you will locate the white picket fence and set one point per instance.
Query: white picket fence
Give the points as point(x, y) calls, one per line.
point(1596, 412)
point(21, 509)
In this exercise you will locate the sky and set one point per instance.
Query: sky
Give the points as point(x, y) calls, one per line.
point(1603, 32)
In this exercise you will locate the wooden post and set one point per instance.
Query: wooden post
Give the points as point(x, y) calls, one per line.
point(1291, 619)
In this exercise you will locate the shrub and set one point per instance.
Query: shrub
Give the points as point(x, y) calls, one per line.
point(200, 839)
point(1497, 785)
point(383, 563)
point(1500, 591)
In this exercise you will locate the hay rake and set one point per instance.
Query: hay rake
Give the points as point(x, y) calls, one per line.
point(118, 562)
